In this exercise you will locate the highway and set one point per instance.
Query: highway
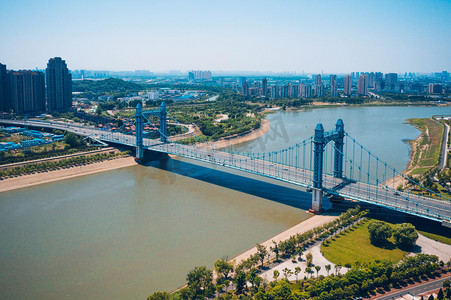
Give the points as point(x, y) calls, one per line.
point(379, 195)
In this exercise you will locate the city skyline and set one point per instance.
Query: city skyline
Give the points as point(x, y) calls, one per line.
point(261, 36)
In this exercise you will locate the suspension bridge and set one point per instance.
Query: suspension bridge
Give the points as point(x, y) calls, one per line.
point(330, 163)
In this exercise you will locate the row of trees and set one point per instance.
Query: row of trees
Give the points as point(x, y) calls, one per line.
point(53, 165)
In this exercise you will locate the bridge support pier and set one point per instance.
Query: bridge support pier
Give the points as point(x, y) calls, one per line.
point(317, 201)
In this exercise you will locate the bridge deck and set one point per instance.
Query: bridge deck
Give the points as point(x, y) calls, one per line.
point(379, 195)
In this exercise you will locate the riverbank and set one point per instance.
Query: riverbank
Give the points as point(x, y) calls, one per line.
point(238, 139)
point(304, 226)
point(64, 173)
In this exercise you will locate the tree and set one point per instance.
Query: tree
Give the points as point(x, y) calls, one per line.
point(223, 267)
point(440, 295)
point(240, 281)
point(405, 235)
point(327, 267)
point(309, 258)
point(379, 232)
point(200, 282)
point(159, 296)
point(431, 297)
point(276, 275)
point(73, 140)
point(275, 249)
point(297, 270)
point(317, 268)
point(308, 271)
point(287, 272)
point(262, 252)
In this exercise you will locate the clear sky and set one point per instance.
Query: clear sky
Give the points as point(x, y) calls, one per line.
point(332, 36)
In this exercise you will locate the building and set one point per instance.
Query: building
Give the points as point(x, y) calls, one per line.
point(371, 80)
point(4, 105)
point(245, 88)
point(348, 85)
point(242, 81)
point(363, 85)
point(59, 85)
point(391, 81)
point(435, 88)
point(319, 88)
point(264, 87)
point(26, 91)
point(333, 86)
point(305, 90)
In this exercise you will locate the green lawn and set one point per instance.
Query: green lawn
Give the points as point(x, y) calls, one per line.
point(355, 246)
point(438, 238)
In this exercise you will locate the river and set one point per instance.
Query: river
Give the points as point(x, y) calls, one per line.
point(125, 233)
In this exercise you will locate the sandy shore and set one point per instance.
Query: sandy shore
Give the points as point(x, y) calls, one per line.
point(226, 142)
point(304, 226)
point(44, 177)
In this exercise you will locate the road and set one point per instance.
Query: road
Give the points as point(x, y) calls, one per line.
point(378, 195)
point(416, 290)
point(444, 153)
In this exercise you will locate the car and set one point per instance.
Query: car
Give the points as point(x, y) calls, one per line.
point(396, 193)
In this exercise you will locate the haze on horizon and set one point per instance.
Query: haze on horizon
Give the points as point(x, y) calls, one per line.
point(288, 35)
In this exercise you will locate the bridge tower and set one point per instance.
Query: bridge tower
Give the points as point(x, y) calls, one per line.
point(320, 141)
point(163, 123)
point(139, 127)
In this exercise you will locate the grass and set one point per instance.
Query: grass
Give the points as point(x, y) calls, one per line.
point(427, 152)
point(354, 245)
point(436, 237)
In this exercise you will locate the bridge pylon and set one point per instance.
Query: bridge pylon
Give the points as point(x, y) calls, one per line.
point(320, 141)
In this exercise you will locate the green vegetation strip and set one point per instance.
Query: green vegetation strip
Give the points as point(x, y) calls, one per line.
point(54, 165)
point(436, 237)
point(354, 245)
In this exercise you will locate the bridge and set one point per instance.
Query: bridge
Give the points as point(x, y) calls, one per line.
point(330, 163)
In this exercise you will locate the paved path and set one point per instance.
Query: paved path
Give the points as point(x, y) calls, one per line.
point(415, 290)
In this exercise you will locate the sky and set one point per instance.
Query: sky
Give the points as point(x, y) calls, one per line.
point(235, 35)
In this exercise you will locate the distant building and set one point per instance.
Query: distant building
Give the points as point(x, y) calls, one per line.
point(242, 81)
point(371, 80)
point(59, 85)
point(26, 91)
point(363, 85)
point(4, 105)
point(200, 75)
point(319, 87)
point(264, 87)
point(348, 85)
point(391, 81)
point(333, 86)
point(245, 88)
point(305, 90)
point(435, 88)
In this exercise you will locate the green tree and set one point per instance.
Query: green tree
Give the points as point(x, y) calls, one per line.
point(440, 295)
point(297, 270)
point(275, 249)
point(73, 140)
point(287, 272)
point(159, 296)
point(262, 252)
point(327, 267)
point(276, 275)
point(200, 283)
point(223, 267)
point(309, 258)
point(317, 268)
point(240, 282)
point(379, 232)
point(405, 235)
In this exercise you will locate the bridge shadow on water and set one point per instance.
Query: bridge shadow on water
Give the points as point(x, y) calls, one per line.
point(281, 192)
point(244, 182)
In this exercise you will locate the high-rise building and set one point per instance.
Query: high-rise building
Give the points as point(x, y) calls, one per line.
point(59, 85)
point(348, 85)
point(371, 80)
point(264, 87)
point(363, 85)
point(333, 86)
point(305, 90)
point(245, 88)
point(319, 87)
point(435, 88)
point(391, 81)
point(4, 105)
point(26, 91)
point(242, 81)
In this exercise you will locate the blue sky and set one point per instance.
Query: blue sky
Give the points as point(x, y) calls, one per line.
point(311, 36)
